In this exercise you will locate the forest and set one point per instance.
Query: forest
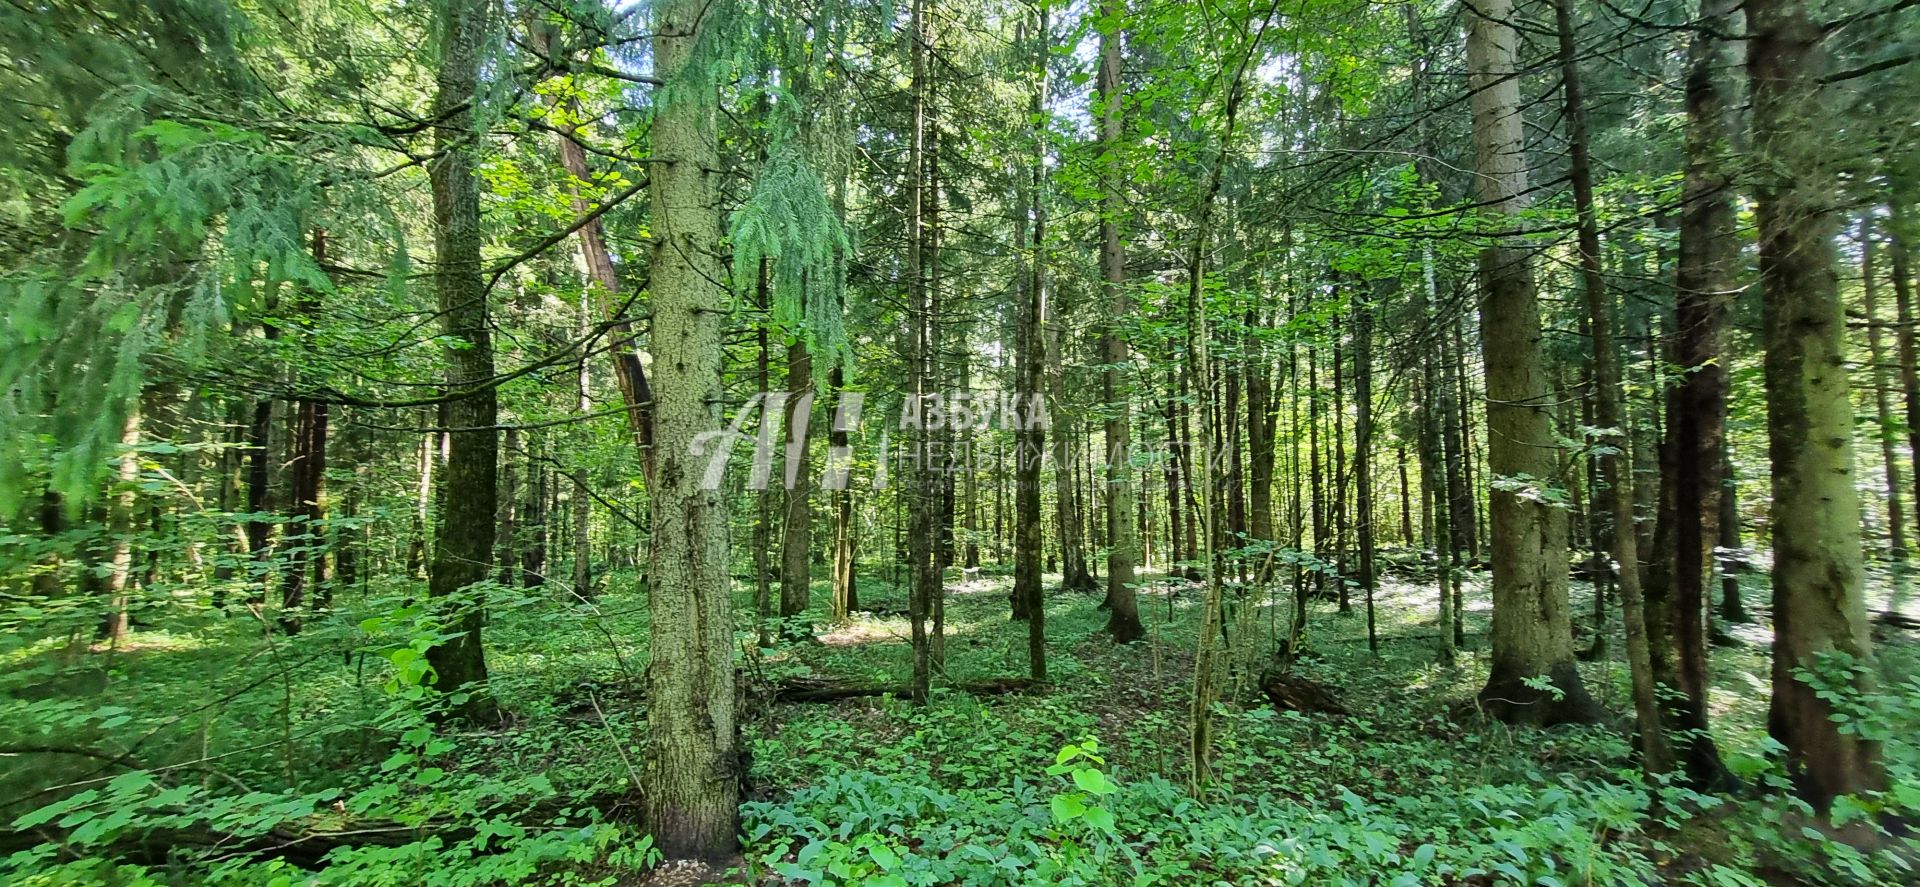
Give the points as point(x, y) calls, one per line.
point(959, 442)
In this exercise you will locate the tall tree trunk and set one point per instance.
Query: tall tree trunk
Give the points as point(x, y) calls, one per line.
point(1260, 447)
point(1905, 319)
point(1184, 455)
point(1532, 634)
point(307, 479)
point(1434, 404)
point(1819, 603)
point(232, 478)
point(1233, 455)
point(463, 544)
point(1123, 608)
point(597, 261)
point(796, 536)
point(839, 440)
point(1600, 542)
point(579, 503)
point(1407, 535)
point(1469, 519)
point(1321, 509)
point(1030, 437)
point(1885, 429)
point(1363, 453)
point(1175, 553)
point(923, 482)
point(260, 488)
point(692, 778)
point(766, 497)
point(1460, 495)
point(533, 559)
point(1732, 562)
point(1212, 616)
point(422, 501)
point(350, 535)
point(1655, 756)
point(1068, 532)
point(970, 502)
point(505, 554)
point(1340, 516)
point(1297, 617)
point(941, 440)
point(115, 618)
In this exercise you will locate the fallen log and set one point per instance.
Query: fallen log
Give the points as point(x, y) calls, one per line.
point(1892, 619)
point(1289, 692)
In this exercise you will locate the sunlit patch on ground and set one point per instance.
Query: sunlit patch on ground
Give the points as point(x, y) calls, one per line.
point(864, 629)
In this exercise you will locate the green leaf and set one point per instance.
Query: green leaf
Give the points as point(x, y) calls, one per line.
point(1100, 818)
point(1067, 808)
point(1093, 781)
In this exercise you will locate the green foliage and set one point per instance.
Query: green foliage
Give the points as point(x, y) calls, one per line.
point(178, 222)
point(789, 224)
point(1080, 826)
point(446, 822)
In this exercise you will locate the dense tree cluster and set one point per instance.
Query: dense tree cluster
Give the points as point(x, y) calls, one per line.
point(348, 319)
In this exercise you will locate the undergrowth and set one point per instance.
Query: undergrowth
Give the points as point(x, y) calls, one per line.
point(212, 752)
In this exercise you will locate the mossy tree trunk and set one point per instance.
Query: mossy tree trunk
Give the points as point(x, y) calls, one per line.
point(1819, 604)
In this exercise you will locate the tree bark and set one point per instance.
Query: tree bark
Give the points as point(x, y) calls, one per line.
point(1123, 608)
point(306, 487)
point(797, 530)
point(1655, 755)
point(1819, 604)
point(463, 543)
point(1261, 422)
point(923, 481)
point(580, 503)
point(1212, 617)
point(1532, 634)
point(1175, 553)
point(692, 777)
point(1030, 436)
point(1885, 428)
point(764, 499)
point(1363, 453)
point(1340, 516)
point(1732, 563)
point(1898, 258)
point(422, 501)
point(845, 585)
point(505, 554)
point(117, 590)
point(1694, 503)
point(533, 558)
point(260, 487)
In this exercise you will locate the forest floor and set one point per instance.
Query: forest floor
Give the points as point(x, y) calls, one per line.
point(1082, 781)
